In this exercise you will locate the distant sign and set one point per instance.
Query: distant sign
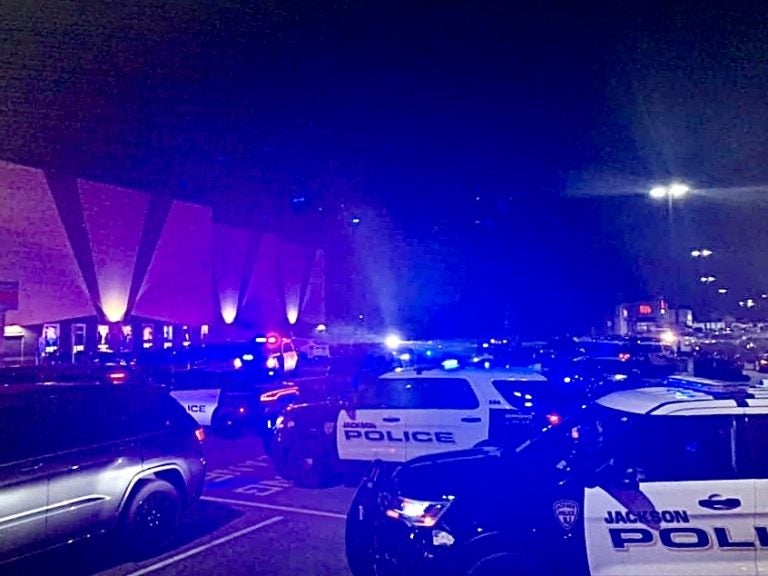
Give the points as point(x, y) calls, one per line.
point(9, 295)
point(645, 310)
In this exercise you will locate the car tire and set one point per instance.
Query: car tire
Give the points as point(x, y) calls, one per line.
point(306, 466)
point(504, 563)
point(151, 519)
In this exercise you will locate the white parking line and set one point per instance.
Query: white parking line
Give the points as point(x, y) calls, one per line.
point(277, 507)
point(204, 547)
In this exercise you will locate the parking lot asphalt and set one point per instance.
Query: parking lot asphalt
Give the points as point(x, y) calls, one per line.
point(249, 521)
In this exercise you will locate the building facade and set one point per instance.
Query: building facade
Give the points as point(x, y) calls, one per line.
point(102, 267)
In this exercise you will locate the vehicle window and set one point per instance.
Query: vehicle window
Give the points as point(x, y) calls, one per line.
point(526, 394)
point(81, 419)
point(752, 457)
point(419, 393)
point(22, 430)
point(149, 413)
point(445, 394)
point(674, 448)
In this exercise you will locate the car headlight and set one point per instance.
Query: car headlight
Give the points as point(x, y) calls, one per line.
point(417, 512)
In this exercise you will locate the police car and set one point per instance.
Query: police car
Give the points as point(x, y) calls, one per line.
point(407, 413)
point(666, 480)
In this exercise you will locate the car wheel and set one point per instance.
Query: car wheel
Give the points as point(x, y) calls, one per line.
point(505, 563)
point(151, 519)
point(307, 466)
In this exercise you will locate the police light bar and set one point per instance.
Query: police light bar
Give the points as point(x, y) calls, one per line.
point(706, 385)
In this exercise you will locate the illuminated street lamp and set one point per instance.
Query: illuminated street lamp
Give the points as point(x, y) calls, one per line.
point(707, 279)
point(674, 190)
point(702, 253)
point(722, 290)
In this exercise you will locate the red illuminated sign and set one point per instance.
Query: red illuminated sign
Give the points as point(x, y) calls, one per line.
point(644, 310)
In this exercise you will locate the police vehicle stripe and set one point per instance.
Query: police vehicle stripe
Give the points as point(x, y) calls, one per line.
point(689, 401)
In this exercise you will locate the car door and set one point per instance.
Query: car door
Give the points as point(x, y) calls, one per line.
point(672, 502)
point(92, 465)
point(23, 476)
point(372, 426)
point(753, 461)
point(446, 415)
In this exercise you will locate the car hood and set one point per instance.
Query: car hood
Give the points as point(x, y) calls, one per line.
point(452, 473)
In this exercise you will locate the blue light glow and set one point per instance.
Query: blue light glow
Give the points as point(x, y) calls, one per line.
point(450, 364)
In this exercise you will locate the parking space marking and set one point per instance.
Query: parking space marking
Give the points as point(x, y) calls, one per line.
point(204, 547)
point(277, 507)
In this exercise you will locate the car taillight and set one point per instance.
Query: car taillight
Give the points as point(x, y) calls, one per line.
point(200, 434)
point(273, 363)
point(624, 356)
point(117, 377)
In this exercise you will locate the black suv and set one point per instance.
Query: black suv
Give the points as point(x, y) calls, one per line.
point(79, 459)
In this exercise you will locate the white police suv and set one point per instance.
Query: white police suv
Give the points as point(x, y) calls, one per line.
point(408, 413)
point(665, 480)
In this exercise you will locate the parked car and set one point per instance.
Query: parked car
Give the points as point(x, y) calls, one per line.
point(78, 460)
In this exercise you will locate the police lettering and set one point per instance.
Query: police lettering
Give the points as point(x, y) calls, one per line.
point(647, 517)
point(196, 408)
point(419, 437)
point(687, 538)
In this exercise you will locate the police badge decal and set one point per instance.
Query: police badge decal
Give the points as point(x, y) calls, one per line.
point(566, 512)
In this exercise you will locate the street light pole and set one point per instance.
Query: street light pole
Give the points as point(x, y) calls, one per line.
point(673, 191)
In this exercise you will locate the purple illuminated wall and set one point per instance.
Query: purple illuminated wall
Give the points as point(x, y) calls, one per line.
point(114, 218)
point(230, 265)
point(262, 301)
point(313, 305)
point(35, 250)
point(80, 249)
point(178, 286)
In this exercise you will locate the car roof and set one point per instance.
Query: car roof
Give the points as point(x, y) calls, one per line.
point(469, 374)
point(691, 396)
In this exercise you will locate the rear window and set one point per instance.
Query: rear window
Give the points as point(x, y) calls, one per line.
point(419, 393)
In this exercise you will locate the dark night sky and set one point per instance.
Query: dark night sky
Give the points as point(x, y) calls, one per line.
point(557, 116)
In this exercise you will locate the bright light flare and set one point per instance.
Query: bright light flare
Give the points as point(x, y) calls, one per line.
point(658, 192)
point(13, 331)
point(668, 337)
point(393, 341)
point(292, 313)
point(228, 312)
point(678, 190)
point(113, 307)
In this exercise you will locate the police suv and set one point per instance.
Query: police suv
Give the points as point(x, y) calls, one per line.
point(665, 480)
point(405, 414)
